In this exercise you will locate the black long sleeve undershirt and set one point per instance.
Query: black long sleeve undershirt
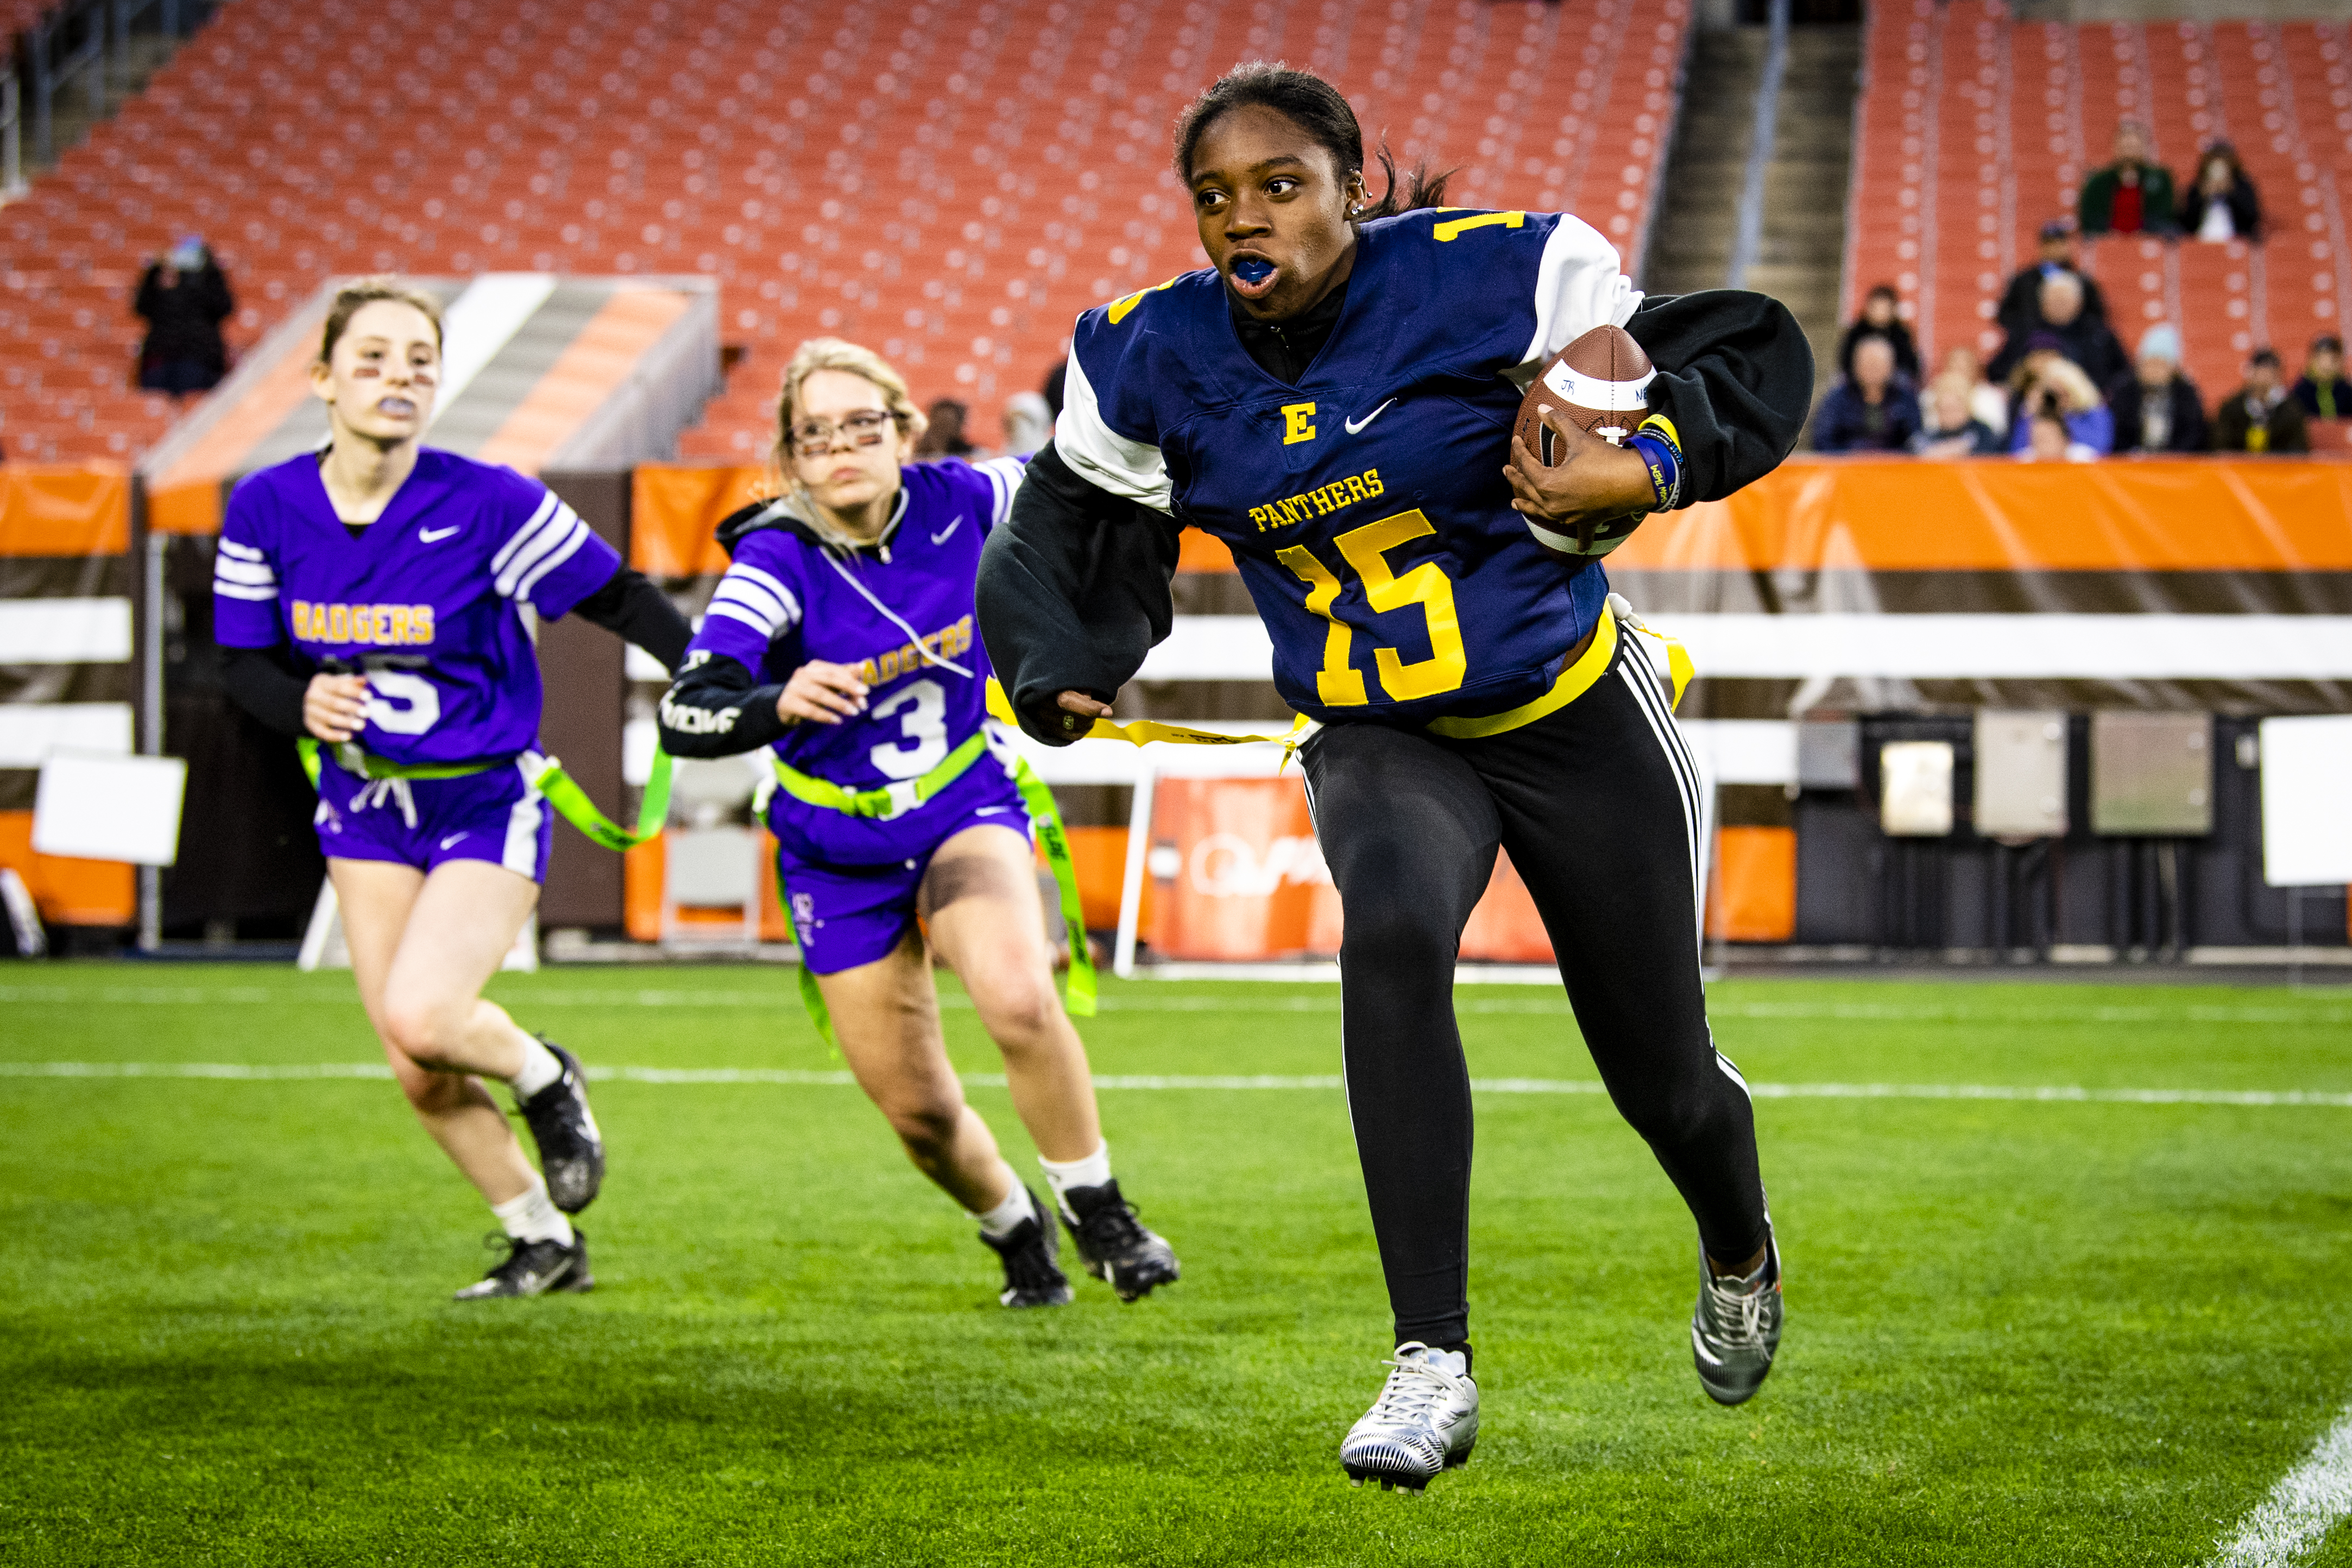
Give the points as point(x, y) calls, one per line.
point(1074, 589)
point(717, 707)
point(270, 682)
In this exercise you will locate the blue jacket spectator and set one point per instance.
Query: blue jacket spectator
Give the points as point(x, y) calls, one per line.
point(2049, 384)
point(1873, 410)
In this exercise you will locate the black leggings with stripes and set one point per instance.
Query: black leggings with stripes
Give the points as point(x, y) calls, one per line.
point(1598, 806)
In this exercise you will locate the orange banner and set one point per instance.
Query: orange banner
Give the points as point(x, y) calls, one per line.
point(674, 510)
point(1899, 514)
point(64, 509)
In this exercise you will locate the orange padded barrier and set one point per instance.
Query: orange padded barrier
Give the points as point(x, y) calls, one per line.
point(1250, 883)
point(642, 869)
point(1755, 897)
point(64, 509)
point(674, 510)
point(1902, 515)
point(69, 892)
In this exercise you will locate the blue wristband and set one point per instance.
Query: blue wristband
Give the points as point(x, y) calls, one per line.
point(1665, 464)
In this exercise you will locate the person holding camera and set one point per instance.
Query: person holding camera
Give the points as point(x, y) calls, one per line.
point(2050, 386)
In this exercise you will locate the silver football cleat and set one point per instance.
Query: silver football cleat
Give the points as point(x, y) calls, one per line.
point(1425, 1421)
point(1735, 1328)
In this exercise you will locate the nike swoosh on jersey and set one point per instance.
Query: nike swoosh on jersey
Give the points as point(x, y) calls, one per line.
point(1355, 426)
point(435, 536)
point(451, 840)
point(941, 537)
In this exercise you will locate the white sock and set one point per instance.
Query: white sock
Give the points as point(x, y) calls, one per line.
point(1005, 1217)
point(539, 1069)
point(1092, 1171)
point(533, 1217)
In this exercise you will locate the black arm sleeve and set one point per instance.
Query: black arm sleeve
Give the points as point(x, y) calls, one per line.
point(1736, 376)
point(263, 682)
point(1073, 591)
point(717, 708)
point(630, 608)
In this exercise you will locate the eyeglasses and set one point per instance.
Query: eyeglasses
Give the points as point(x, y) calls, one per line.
point(817, 435)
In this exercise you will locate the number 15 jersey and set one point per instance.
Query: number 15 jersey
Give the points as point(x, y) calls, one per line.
point(1366, 506)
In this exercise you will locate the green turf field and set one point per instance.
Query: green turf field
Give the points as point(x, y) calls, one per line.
point(2020, 1332)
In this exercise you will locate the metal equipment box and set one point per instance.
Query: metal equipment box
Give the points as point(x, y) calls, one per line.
point(2021, 767)
point(2151, 774)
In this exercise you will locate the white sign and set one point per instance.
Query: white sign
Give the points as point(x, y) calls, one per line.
point(2306, 801)
point(104, 808)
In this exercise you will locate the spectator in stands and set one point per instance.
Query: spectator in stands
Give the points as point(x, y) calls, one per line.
point(1028, 423)
point(2020, 314)
point(2322, 390)
point(2222, 204)
point(2047, 441)
point(2069, 328)
point(1952, 430)
point(2130, 195)
point(1052, 390)
point(1873, 410)
point(184, 297)
point(1881, 315)
point(2049, 385)
point(2260, 416)
point(944, 437)
point(2156, 408)
point(1986, 403)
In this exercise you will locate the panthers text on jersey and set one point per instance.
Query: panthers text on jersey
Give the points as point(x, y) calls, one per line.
point(1366, 506)
point(900, 615)
point(425, 601)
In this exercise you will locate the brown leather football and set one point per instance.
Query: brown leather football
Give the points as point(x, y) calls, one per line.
point(1598, 384)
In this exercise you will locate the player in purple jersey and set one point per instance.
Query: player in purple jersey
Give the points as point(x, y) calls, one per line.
point(842, 638)
point(371, 596)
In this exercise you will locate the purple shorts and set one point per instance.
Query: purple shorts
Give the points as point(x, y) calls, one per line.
point(846, 916)
point(494, 815)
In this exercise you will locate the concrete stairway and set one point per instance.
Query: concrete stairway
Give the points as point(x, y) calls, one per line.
point(1803, 242)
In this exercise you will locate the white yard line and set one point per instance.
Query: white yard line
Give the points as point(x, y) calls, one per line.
point(2294, 1519)
point(2035, 1092)
point(1324, 1001)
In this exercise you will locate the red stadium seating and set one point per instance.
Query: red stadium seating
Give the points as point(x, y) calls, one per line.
point(1978, 129)
point(949, 184)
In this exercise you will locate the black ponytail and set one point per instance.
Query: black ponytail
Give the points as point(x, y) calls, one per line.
point(1317, 108)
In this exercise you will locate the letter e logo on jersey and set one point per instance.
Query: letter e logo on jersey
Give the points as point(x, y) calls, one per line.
point(1294, 428)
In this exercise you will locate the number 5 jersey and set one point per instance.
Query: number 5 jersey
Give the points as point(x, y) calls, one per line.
point(425, 600)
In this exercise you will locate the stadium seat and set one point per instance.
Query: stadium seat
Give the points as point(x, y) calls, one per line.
point(711, 138)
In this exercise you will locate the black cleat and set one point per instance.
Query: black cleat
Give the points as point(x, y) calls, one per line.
point(1031, 1254)
point(570, 1149)
point(533, 1269)
point(1114, 1245)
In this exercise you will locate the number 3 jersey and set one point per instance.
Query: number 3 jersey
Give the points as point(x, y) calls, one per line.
point(425, 601)
point(1366, 506)
point(899, 612)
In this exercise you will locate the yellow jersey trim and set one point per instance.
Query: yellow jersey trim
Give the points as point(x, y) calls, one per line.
point(1573, 682)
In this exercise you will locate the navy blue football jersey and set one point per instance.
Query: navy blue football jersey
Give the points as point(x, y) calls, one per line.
point(1366, 505)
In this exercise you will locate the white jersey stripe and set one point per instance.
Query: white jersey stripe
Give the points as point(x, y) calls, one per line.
point(753, 597)
point(555, 557)
point(546, 509)
point(232, 591)
point(550, 536)
point(743, 572)
point(520, 855)
point(256, 574)
point(242, 552)
point(736, 612)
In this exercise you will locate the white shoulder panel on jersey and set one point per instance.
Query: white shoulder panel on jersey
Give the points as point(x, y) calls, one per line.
point(1003, 478)
point(1577, 287)
point(1100, 455)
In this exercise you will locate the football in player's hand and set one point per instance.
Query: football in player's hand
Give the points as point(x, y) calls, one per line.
point(1599, 384)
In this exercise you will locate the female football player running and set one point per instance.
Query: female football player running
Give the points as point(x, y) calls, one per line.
point(842, 639)
point(373, 596)
point(1334, 398)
